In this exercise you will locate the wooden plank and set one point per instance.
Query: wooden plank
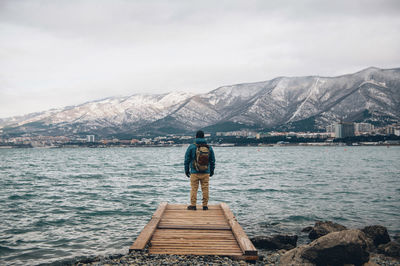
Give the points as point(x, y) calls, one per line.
point(194, 219)
point(199, 207)
point(199, 211)
point(245, 257)
point(198, 227)
point(175, 230)
point(227, 212)
point(179, 216)
point(202, 241)
point(193, 252)
point(182, 237)
point(160, 210)
point(244, 242)
point(190, 237)
point(199, 232)
point(195, 241)
point(194, 226)
point(195, 246)
point(149, 229)
point(193, 222)
point(183, 232)
point(197, 249)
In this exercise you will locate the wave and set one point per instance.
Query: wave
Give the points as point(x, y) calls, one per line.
point(21, 196)
point(6, 250)
point(263, 190)
point(86, 176)
point(300, 218)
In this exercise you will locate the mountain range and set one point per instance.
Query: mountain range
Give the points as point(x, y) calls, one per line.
point(285, 103)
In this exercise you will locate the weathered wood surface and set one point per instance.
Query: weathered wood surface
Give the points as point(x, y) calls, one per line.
point(149, 229)
point(244, 242)
point(175, 230)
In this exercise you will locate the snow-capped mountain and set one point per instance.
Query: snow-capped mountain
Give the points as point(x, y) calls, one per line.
point(296, 103)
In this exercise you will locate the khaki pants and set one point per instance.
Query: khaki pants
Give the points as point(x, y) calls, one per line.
point(194, 183)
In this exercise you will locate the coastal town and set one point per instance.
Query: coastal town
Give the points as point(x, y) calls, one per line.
point(337, 134)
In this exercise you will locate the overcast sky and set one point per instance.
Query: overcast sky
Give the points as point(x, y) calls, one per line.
point(56, 53)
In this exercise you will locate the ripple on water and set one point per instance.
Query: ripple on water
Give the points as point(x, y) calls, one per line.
point(81, 202)
point(24, 196)
point(86, 176)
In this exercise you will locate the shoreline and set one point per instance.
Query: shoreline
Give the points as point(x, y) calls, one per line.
point(266, 257)
point(301, 144)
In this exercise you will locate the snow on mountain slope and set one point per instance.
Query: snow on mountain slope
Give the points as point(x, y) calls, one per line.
point(369, 95)
point(295, 99)
point(114, 111)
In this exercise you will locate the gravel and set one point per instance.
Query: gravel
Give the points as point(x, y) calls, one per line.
point(143, 258)
point(269, 258)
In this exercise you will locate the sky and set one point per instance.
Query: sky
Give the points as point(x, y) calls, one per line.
point(56, 53)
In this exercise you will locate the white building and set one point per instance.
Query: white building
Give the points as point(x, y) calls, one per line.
point(238, 133)
point(330, 128)
point(89, 138)
point(363, 127)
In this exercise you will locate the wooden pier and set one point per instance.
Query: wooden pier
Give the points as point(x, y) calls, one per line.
point(175, 230)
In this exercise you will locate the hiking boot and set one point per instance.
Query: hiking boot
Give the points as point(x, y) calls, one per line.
point(190, 207)
point(205, 208)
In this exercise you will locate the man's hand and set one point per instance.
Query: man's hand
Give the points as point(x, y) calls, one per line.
point(188, 174)
point(211, 173)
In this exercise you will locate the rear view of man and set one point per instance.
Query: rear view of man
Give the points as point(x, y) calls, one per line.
point(199, 166)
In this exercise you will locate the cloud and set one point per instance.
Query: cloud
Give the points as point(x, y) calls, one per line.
point(57, 53)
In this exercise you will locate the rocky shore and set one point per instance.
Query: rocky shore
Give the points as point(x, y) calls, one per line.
point(334, 244)
point(268, 258)
point(330, 244)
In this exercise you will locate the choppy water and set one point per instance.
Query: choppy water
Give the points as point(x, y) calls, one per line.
point(65, 203)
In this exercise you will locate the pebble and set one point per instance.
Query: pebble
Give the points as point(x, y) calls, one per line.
point(269, 258)
point(142, 258)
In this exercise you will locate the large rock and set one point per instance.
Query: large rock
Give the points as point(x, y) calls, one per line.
point(391, 249)
point(307, 229)
point(337, 248)
point(377, 233)
point(322, 228)
point(275, 242)
point(396, 238)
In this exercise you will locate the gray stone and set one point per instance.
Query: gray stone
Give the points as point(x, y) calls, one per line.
point(322, 228)
point(337, 248)
point(396, 238)
point(377, 233)
point(391, 249)
point(306, 229)
point(275, 242)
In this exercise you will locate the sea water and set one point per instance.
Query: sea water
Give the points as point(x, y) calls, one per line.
point(63, 204)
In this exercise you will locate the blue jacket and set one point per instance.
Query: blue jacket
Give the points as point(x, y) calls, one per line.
point(190, 156)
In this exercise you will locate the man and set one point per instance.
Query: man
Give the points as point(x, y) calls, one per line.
point(200, 159)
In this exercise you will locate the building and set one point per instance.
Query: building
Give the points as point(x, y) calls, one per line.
point(330, 128)
point(389, 130)
point(344, 130)
point(363, 127)
point(89, 138)
point(239, 133)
